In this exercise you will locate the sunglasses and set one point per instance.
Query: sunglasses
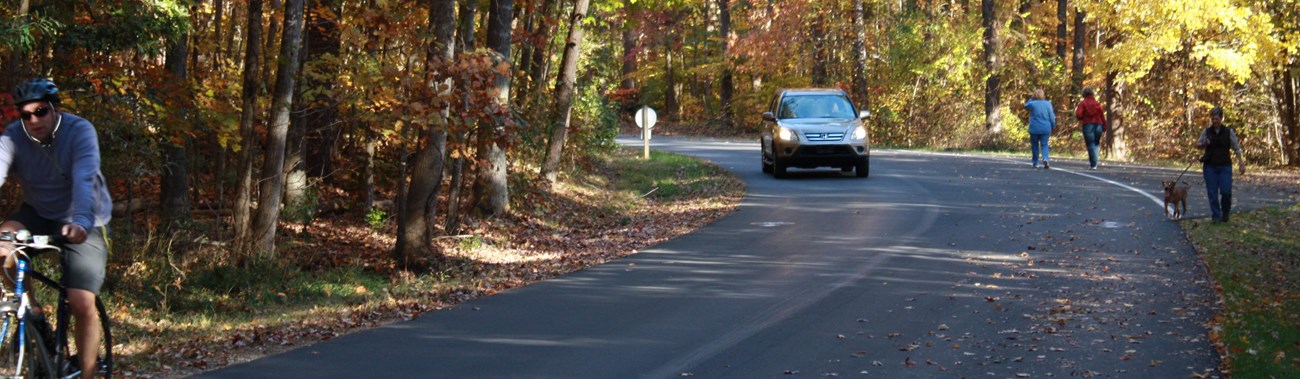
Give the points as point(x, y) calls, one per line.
point(40, 112)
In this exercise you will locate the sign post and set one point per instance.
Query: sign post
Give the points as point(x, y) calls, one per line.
point(645, 118)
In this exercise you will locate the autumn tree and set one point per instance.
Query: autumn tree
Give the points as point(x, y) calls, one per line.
point(248, 134)
point(558, 121)
point(492, 190)
point(272, 180)
point(629, 40)
point(174, 181)
point(1285, 75)
point(993, 65)
point(860, 56)
point(415, 220)
point(726, 90)
point(315, 112)
point(458, 151)
point(1080, 44)
point(1214, 44)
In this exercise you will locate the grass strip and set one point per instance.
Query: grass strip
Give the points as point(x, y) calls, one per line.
point(1255, 261)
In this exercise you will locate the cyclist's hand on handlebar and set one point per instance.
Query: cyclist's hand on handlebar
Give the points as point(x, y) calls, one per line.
point(74, 233)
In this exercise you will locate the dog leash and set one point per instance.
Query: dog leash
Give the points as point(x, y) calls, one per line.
point(1180, 176)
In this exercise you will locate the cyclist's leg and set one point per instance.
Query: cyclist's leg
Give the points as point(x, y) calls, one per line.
point(86, 329)
point(85, 268)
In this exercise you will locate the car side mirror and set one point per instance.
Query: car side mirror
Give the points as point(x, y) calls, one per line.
point(864, 113)
point(768, 116)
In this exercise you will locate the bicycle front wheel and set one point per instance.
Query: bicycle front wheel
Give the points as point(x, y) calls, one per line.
point(28, 358)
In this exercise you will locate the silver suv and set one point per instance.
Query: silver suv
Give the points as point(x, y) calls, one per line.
point(810, 128)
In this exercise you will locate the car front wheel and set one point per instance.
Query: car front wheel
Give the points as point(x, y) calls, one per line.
point(778, 167)
point(863, 168)
point(762, 157)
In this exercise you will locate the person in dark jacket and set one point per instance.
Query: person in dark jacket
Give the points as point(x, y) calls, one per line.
point(1219, 141)
point(1093, 119)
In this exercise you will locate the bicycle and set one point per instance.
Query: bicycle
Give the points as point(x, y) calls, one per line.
point(29, 346)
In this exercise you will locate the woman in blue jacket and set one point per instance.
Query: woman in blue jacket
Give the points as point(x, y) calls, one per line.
point(1042, 119)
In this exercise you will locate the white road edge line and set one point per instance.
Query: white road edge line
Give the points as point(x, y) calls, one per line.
point(1158, 201)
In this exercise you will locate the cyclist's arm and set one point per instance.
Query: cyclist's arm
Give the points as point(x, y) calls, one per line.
point(85, 174)
point(7, 247)
point(6, 156)
point(6, 160)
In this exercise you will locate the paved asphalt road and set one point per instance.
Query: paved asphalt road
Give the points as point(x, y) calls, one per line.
point(937, 265)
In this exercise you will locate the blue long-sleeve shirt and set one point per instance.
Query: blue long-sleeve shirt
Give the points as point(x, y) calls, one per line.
point(1042, 118)
point(61, 181)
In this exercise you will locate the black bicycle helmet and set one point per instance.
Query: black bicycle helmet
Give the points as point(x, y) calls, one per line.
point(39, 89)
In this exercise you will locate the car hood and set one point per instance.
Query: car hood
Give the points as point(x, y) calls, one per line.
point(820, 125)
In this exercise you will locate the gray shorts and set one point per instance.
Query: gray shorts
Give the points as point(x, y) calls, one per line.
point(84, 264)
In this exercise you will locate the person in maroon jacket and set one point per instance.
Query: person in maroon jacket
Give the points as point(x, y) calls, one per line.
point(1093, 119)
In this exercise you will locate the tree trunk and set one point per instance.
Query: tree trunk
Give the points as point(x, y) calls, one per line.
point(175, 181)
point(248, 117)
point(1080, 42)
point(993, 64)
point(820, 77)
point(195, 37)
point(493, 192)
point(231, 42)
point(319, 114)
point(368, 175)
point(414, 218)
point(539, 61)
point(220, 8)
point(528, 41)
point(1290, 118)
point(296, 184)
point(1116, 147)
point(272, 182)
point(725, 93)
point(458, 140)
point(271, 31)
point(14, 72)
point(670, 90)
point(1062, 33)
point(414, 243)
point(629, 47)
point(559, 120)
point(311, 114)
point(860, 54)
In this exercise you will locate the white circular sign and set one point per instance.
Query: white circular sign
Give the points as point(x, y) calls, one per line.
point(645, 117)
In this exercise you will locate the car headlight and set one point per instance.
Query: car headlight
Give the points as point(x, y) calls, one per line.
point(860, 132)
point(787, 135)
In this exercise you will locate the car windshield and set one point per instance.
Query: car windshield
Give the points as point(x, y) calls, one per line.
point(815, 106)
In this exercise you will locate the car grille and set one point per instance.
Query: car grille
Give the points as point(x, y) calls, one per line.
point(824, 137)
point(824, 150)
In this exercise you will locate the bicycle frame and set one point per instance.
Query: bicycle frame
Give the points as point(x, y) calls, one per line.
point(59, 355)
point(24, 308)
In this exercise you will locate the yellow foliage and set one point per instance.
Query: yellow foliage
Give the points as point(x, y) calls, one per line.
point(1224, 34)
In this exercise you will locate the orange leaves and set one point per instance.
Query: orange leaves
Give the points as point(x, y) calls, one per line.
point(7, 109)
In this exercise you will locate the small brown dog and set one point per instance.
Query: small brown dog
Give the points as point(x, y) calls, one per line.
point(1175, 194)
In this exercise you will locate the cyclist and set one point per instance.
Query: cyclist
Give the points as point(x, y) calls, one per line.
point(55, 155)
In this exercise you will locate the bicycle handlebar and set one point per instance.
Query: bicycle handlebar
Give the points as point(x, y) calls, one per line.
point(24, 238)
